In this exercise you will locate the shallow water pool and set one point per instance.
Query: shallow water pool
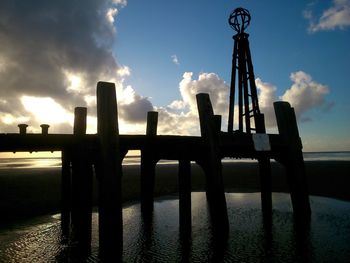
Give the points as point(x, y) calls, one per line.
point(326, 240)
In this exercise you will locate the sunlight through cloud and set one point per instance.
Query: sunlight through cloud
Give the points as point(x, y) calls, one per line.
point(46, 110)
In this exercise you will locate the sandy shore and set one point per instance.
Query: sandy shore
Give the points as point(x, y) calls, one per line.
point(29, 192)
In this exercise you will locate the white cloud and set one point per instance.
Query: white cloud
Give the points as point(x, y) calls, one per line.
point(110, 16)
point(122, 3)
point(181, 116)
point(305, 93)
point(123, 71)
point(337, 16)
point(177, 105)
point(206, 83)
point(267, 96)
point(175, 60)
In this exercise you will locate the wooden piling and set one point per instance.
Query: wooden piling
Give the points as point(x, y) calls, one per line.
point(264, 172)
point(212, 168)
point(152, 123)
point(109, 174)
point(81, 183)
point(293, 159)
point(185, 196)
point(148, 165)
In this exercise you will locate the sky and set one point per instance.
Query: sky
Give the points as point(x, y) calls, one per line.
point(160, 54)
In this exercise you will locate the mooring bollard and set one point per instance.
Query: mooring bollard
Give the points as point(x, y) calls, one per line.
point(44, 129)
point(293, 159)
point(109, 174)
point(213, 170)
point(148, 165)
point(22, 128)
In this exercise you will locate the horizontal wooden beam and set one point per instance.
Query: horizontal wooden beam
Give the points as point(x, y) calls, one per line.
point(170, 147)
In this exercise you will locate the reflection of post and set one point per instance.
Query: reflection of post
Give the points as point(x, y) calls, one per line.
point(185, 196)
point(293, 159)
point(109, 175)
point(148, 166)
point(81, 183)
point(65, 191)
point(212, 168)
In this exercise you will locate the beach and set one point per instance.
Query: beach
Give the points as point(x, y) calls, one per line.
point(26, 193)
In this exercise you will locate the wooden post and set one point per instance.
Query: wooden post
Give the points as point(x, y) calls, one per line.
point(81, 183)
point(109, 174)
point(148, 164)
point(185, 196)
point(66, 192)
point(212, 169)
point(217, 122)
point(293, 159)
point(265, 173)
point(152, 123)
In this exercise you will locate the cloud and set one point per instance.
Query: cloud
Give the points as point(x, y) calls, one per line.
point(175, 60)
point(181, 116)
point(305, 94)
point(133, 108)
point(58, 50)
point(337, 16)
point(267, 96)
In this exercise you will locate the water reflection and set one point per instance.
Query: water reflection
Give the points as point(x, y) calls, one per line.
point(157, 238)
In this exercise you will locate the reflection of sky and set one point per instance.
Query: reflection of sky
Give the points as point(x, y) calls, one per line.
point(158, 240)
point(6, 163)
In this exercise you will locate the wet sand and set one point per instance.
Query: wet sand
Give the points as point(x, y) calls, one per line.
point(25, 193)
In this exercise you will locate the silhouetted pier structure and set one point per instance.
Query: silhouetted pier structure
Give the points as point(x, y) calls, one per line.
point(102, 153)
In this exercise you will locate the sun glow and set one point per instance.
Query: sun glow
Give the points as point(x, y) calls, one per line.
point(9, 119)
point(46, 110)
point(75, 82)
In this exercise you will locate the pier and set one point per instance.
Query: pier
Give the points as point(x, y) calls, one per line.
point(101, 155)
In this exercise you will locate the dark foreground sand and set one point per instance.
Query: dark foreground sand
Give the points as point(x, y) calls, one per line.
point(26, 193)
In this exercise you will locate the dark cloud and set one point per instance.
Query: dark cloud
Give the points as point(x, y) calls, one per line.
point(135, 111)
point(41, 40)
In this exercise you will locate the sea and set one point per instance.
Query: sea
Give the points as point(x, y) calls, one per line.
point(55, 162)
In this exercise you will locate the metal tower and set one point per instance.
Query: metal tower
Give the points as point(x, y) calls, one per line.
point(242, 78)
